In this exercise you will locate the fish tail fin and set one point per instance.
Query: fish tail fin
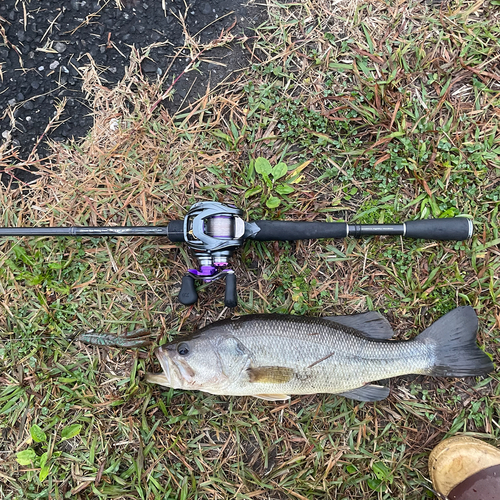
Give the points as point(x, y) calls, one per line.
point(454, 339)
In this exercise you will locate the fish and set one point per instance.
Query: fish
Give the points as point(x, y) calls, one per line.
point(273, 357)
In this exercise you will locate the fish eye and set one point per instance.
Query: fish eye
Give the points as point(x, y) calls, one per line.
point(183, 349)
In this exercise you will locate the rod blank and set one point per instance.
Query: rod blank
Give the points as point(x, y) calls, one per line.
point(85, 231)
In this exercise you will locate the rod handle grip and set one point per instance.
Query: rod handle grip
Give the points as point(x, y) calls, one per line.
point(275, 230)
point(448, 229)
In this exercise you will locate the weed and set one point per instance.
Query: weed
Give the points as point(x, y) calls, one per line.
point(269, 176)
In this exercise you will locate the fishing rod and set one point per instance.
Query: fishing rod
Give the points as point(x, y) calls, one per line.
point(213, 231)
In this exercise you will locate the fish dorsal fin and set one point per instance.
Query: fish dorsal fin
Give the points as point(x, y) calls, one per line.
point(272, 397)
point(270, 374)
point(372, 324)
point(367, 393)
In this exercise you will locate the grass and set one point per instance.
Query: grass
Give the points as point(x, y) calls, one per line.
point(382, 113)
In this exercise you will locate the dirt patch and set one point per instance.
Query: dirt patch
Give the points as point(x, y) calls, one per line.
point(45, 48)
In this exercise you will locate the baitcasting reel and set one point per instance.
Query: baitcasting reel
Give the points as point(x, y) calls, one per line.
point(213, 231)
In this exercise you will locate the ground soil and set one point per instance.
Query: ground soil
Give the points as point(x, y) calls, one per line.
point(44, 45)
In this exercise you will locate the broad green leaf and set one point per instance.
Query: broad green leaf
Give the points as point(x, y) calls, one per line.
point(37, 434)
point(70, 431)
point(273, 202)
point(284, 189)
point(44, 469)
point(374, 484)
point(43, 459)
point(252, 191)
point(44, 472)
point(26, 457)
point(381, 470)
point(262, 166)
point(279, 170)
point(267, 180)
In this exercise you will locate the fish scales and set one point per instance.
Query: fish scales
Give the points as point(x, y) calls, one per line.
point(324, 356)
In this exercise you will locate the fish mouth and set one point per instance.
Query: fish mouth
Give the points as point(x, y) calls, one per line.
point(177, 374)
point(164, 378)
point(163, 359)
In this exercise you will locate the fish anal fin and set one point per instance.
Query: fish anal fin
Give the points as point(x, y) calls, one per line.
point(270, 374)
point(368, 392)
point(272, 397)
point(371, 324)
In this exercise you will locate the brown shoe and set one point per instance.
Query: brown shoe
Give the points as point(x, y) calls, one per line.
point(465, 468)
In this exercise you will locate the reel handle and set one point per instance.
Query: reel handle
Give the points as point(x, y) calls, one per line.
point(188, 294)
point(231, 295)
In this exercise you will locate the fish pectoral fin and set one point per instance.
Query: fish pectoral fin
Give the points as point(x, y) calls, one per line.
point(272, 397)
point(270, 374)
point(367, 393)
point(372, 324)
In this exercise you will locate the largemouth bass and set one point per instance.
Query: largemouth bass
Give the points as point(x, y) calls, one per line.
point(276, 356)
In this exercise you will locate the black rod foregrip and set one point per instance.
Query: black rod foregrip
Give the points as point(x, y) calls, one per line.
point(275, 230)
